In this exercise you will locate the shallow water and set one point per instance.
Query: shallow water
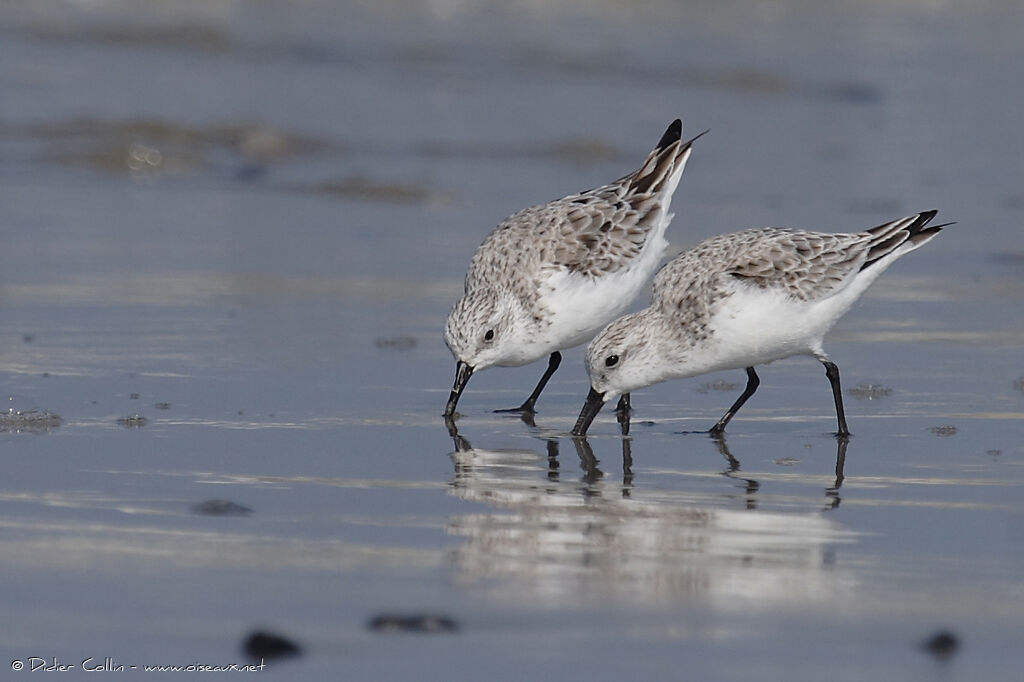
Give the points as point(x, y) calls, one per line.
point(231, 232)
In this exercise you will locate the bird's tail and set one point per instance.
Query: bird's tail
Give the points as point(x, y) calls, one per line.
point(660, 172)
point(905, 234)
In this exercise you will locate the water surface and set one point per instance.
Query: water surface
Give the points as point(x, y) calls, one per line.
point(231, 232)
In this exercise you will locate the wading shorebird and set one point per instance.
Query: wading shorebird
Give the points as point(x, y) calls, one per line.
point(550, 276)
point(745, 299)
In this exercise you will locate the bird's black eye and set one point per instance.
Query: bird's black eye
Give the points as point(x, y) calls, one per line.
point(489, 335)
point(611, 361)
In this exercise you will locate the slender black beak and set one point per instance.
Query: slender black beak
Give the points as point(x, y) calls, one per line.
point(462, 374)
point(595, 401)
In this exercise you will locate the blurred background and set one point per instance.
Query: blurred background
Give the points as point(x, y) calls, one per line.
point(230, 231)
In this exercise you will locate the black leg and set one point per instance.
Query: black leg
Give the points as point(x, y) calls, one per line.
point(627, 467)
point(622, 411)
point(832, 372)
point(752, 383)
point(527, 407)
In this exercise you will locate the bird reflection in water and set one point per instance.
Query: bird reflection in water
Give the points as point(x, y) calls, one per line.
point(592, 473)
point(752, 486)
point(553, 535)
point(589, 462)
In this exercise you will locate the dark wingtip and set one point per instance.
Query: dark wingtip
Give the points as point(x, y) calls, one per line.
point(923, 218)
point(926, 217)
point(673, 134)
point(918, 232)
point(921, 231)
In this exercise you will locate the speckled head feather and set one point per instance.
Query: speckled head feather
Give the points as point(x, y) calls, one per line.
point(626, 354)
point(479, 325)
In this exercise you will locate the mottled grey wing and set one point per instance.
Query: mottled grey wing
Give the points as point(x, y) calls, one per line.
point(595, 235)
point(589, 233)
point(598, 231)
point(806, 265)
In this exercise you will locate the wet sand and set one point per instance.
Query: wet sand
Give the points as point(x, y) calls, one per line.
point(231, 233)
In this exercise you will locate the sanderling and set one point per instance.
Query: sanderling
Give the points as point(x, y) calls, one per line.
point(550, 276)
point(745, 299)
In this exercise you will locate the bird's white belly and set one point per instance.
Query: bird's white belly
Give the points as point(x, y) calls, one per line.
point(755, 327)
point(579, 306)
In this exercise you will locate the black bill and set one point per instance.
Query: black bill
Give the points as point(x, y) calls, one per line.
point(462, 373)
point(595, 401)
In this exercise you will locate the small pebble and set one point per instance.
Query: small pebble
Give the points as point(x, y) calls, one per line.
point(869, 391)
point(250, 172)
point(424, 622)
point(132, 421)
point(717, 386)
point(942, 645)
point(395, 342)
point(218, 507)
point(260, 645)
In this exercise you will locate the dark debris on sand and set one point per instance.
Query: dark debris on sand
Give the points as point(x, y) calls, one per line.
point(422, 622)
point(395, 342)
point(942, 645)
point(869, 391)
point(132, 421)
point(219, 507)
point(719, 385)
point(261, 645)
